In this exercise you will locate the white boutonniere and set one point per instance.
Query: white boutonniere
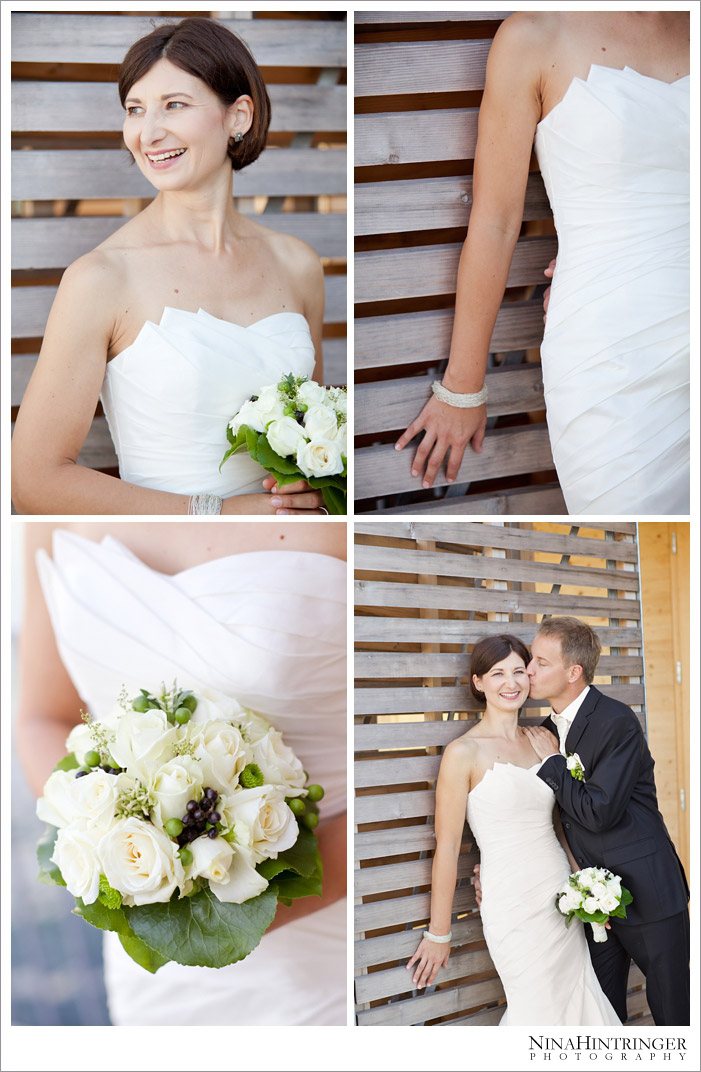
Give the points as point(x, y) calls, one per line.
point(575, 766)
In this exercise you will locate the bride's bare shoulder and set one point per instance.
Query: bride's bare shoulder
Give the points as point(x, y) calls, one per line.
point(529, 33)
point(462, 751)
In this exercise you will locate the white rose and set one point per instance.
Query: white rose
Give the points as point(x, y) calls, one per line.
point(341, 439)
point(210, 858)
point(213, 706)
point(314, 394)
point(586, 876)
point(320, 457)
point(143, 741)
point(609, 903)
point(141, 862)
point(261, 821)
point(176, 782)
point(67, 798)
point(590, 905)
point(320, 423)
point(266, 408)
point(79, 742)
point(278, 763)
point(242, 881)
point(285, 437)
point(598, 890)
point(77, 858)
point(253, 726)
point(221, 751)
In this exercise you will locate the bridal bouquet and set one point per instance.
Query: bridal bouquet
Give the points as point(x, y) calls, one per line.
point(179, 822)
point(296, 429)
point(593, 895)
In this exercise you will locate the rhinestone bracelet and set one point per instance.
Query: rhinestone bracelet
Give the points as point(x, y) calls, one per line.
point(206, 503)
point(439, 939)
point(460, 401)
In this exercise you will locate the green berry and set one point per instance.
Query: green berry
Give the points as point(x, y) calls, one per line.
point(190, 702)
point(182, 715)
point(315, 792)
point(302, 406)
point(310, 819)
point(185, 856)
point(174, 828)
point(297, 806)
point(92, 758)
point(140, 704)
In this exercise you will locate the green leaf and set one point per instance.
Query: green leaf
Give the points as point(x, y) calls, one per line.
point(267, 457)
point(334, 500)
point(114, 919)
point(203, 931)
point(49, 873)
point(626, 896)
point(68, 763)
point(303, 857)
point(140, 952)
point(290, 885)
point(591, 917)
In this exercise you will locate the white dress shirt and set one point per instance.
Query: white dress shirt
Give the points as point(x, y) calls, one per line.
point(564, 720)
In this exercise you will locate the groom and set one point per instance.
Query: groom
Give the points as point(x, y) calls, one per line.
point(611, 818)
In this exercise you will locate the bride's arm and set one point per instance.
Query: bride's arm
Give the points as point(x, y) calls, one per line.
point(508, 117)
point(59, 405)
point(451, 803)
point(557, 823)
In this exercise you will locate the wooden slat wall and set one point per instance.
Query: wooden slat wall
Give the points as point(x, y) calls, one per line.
point(425, 593)
point(419, 77)
point(72, 184)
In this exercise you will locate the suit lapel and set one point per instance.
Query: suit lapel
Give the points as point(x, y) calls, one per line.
point(581, 719)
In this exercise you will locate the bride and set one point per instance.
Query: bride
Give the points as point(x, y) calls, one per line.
point(253, 611)
point(182, 314)
point(489, 775)
point(607, 97)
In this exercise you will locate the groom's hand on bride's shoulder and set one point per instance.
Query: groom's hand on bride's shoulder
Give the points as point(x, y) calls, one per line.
point(543, 742)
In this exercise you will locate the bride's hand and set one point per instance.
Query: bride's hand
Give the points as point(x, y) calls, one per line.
point(446, 429)
point(296, 498)
point(550, 272)
point(430, 956)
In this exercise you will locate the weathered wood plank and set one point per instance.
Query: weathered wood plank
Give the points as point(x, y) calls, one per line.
point(440, 1003)
point(55, 242)
point(384, 275)
point(384, 878)
point(382, 470)
point(391, 664)
point(420, 67)
point(383, 807)
point(415, 137)
point(397, 910)
point(399, 17)
point(384, 984)
point(31, 306)
point(413, 338)
point(58, 38)
point(445, 564)
point(376, 772)
point(479, 534)
point(401, 944)
point(47, 174)
point(394, 404)
point(546, 500)
point(396, 701)
point(484, 1018)
point(94, 107)
point(427, 204)
point(395, 840)
point(385, 629)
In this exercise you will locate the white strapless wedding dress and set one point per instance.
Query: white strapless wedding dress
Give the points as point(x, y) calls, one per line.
point(170, 395)
point(544, 966)
point(269, 629)
point(614, 156)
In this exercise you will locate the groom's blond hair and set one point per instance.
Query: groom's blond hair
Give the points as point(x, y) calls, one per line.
point(579, 643)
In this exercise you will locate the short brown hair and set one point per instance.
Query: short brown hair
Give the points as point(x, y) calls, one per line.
point(206, 49)
point(491, 650)
point(580, 644)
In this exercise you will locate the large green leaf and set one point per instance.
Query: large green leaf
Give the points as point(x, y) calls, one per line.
point(303, 858)
point(270, 460)
point(49, 873)
point(291, 886)
point(201, 930)
point(114, 919)
point(140, 952)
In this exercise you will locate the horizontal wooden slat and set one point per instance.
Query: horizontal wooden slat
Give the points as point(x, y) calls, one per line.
point(401, 944)
point(459, 698)
point(391, 664)
point(31, 306)
point(58, 38)
point(477, 534)
point(415, 137)
point(484, 1018)
point(382, 470)
point(376, 772)
point(446, 564)
point(398, 910)
point(545, 500)
point(420, 67)
point(383, 984)
point(55, 242)
point(440, 1003)
point(383, 629)
point(46, 174)
point(432, 17)
point(384, 878)
point(95, 107)
point(384, 275)
point(412, 338)
point(427, 204)
point(387, 806)
point(393, 841)
point(394, 404)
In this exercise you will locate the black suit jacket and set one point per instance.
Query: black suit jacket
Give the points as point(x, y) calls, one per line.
point(611, 819)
